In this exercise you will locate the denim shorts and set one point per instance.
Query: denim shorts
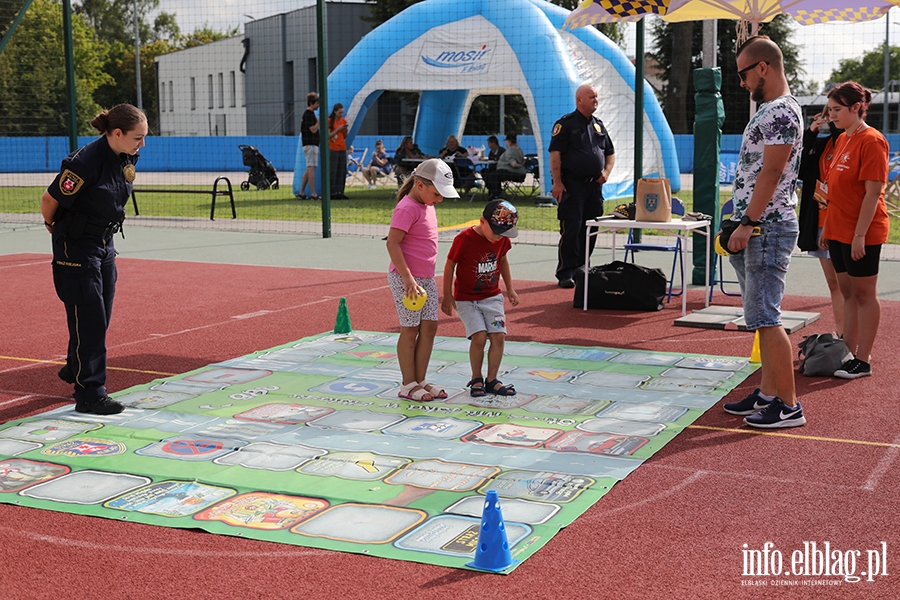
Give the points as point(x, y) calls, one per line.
point(413, 318)
point(482, 315)
point(761, 269)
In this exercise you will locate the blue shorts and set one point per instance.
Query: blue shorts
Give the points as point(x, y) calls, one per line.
point(761, 269)
point(482, 315)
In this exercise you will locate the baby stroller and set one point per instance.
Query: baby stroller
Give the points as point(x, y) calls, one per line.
point(262, 173)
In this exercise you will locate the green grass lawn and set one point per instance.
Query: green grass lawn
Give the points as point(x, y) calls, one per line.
point(365, 207)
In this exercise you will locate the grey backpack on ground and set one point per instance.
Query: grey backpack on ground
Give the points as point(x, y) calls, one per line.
point(822, 354)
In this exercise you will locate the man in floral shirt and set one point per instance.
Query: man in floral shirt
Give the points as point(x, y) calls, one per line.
point(761, 245)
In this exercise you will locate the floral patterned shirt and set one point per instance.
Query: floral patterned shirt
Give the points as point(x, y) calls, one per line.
point(777, 122)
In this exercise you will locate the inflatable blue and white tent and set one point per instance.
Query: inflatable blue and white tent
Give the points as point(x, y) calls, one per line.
point(453, 51)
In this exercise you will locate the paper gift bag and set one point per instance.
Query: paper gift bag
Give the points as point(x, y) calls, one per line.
point(653, 200)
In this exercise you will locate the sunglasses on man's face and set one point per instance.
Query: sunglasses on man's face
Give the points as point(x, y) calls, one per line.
point(743, 72)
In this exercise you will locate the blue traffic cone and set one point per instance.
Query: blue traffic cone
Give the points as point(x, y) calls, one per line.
point(492, 553)
point(342, 323)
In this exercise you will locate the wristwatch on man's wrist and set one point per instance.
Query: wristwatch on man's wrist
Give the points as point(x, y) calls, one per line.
point(745, 220)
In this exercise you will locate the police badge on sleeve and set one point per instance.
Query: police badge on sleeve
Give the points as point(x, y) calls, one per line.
point(70, 183)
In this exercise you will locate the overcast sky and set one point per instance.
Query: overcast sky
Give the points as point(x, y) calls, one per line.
point(823, 45)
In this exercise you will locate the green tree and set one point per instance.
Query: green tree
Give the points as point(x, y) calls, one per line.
point(33, 95)
point(678, 67)
point(113, 20)
point(868, 70)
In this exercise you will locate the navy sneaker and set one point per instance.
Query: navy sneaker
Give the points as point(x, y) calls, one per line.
point(854, 369)
point(750, 405)
point(100, 406)
point(776, 415)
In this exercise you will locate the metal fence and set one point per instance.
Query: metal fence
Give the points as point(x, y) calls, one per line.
point(212, 78)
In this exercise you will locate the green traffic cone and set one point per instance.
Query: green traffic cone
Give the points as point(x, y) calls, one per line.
point(342, 323)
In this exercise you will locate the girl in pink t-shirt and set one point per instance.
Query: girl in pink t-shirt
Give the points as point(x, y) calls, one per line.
point(413, 246)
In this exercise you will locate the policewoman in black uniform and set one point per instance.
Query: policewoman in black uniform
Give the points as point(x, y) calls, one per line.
point(82, 209)
point(581, 158)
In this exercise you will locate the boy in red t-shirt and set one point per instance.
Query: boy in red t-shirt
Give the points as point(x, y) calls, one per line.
point(479, 252)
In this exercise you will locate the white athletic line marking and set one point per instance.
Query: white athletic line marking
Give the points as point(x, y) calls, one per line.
point(157, 336)
point(230, 319)
point(31, 364)
point(756, 476)
point(26, 395)
point(882, 467)
point(43, 262)
point(258, 313)
point(697, 476)
point(49, 539)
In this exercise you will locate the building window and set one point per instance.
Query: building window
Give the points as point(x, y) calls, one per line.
point(162, 96)
point(210, 81)
point(193, 93)
point(232, 94)
point(221, 91)
point(171, 97)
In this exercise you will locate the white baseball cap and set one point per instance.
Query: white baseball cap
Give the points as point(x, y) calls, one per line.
point(437, 172)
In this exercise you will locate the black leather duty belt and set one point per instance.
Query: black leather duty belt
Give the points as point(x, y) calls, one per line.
point(103, 231)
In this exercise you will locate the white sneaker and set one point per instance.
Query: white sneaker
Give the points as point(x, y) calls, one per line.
point(370, 187)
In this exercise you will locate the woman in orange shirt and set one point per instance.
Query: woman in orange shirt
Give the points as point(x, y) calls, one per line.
point(856, 224)
point(337, 143)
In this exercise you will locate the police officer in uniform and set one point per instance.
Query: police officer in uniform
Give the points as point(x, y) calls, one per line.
point(581, 158)
point(82, 209)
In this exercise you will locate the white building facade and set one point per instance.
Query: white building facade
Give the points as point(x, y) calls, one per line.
point(201, 90)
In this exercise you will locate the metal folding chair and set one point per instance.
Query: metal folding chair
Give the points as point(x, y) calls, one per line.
point(530, 183)
point(632, 247)
point(464, 170)
point(718, 276)
point(892, 189)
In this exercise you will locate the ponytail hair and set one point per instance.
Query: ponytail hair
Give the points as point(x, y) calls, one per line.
point(408, 184)
point(122, 116)
point(334, 110)
point(849, 93)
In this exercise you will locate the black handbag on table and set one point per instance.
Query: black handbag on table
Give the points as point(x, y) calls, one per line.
point(621, 286)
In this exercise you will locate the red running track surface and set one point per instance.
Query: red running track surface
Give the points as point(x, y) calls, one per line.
point(675, 528)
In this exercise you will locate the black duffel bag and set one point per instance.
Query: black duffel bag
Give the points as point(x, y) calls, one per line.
point(621, 286)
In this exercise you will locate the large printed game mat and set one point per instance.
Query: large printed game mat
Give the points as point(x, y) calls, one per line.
point(309, 444)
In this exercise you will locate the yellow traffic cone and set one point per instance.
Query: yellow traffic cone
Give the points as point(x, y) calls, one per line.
point(754, 353)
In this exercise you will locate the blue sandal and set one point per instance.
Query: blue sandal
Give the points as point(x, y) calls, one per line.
point(495, 387)
point(476, 387)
